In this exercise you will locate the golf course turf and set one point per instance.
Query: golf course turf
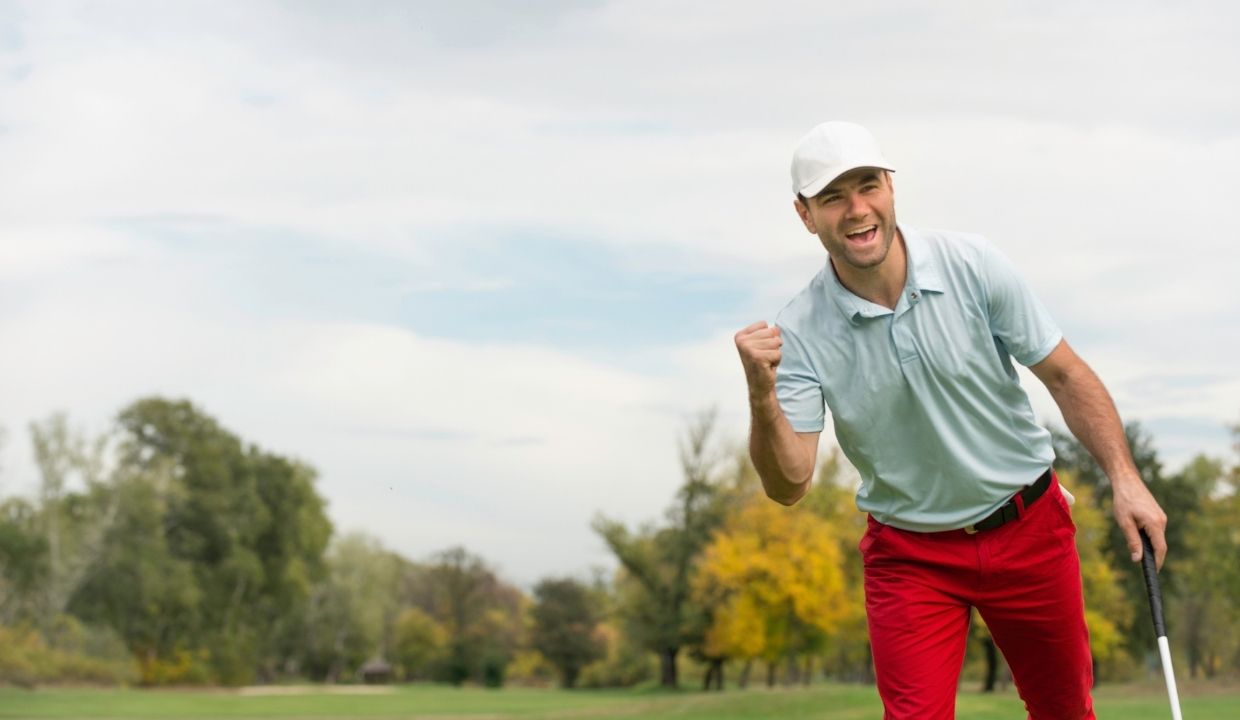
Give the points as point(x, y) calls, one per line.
point(822, 702)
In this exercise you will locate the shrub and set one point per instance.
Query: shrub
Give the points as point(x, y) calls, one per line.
point(71, 653)
point(183, 668)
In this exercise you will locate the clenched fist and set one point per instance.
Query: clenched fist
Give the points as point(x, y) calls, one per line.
point(759, 346)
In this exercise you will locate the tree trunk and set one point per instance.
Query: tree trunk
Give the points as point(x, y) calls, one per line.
point(570, 677)
point(717, 664)
point(808, 672)
point(1193, 636)
point(770, 674)
point(337, 666)
point(794, 671)
point(667, 659)
point(744, 680)
point(992, 664)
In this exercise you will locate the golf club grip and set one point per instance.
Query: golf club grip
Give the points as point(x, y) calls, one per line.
point(1152, 587)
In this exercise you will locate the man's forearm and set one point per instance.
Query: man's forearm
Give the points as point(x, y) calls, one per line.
point(780, 455)
point(1090, 414)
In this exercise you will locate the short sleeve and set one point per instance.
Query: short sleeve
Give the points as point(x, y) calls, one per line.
point(1017, 317)
point(797, 386)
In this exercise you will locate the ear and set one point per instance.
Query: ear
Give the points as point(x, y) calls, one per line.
point(806, 217)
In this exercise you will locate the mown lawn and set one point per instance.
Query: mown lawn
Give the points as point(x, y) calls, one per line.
point(821, 702)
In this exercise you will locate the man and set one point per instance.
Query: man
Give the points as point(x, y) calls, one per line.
point(908, 336)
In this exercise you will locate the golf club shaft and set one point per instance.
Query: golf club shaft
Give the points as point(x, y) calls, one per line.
point(1154, 591)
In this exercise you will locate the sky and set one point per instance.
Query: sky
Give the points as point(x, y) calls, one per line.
point(479, 263)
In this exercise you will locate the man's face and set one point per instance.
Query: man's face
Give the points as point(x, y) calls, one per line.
point(854, 217)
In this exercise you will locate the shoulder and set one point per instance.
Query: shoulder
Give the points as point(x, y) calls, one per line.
point(962, 259)
point(953, 247)
point(807, 308)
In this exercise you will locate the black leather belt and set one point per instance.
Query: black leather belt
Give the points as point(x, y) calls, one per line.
point(1013, 508)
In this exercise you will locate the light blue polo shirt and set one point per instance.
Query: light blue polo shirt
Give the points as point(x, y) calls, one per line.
point(925, 400)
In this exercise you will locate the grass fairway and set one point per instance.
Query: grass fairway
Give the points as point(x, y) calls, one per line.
point(821, 702)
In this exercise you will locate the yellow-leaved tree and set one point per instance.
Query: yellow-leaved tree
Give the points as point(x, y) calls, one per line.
point(772, 583)
point(1107, 607)
point(846, 655)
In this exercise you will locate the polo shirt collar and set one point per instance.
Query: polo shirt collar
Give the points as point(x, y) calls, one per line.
point(922, 276)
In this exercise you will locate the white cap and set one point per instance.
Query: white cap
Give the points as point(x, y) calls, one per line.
point(830, 150)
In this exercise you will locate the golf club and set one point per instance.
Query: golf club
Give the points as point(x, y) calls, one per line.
point(1154, 590)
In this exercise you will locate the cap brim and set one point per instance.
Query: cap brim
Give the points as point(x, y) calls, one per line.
point(827, 178)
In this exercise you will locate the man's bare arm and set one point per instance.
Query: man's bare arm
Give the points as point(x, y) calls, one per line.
point(783, 457)
point(1091, 416)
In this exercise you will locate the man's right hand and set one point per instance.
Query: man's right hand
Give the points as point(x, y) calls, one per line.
point(783, 457)
point(759, 346)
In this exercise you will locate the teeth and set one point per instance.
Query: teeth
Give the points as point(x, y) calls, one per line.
point(863, 230)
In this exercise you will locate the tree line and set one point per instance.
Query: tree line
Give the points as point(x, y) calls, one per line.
point(170, 551)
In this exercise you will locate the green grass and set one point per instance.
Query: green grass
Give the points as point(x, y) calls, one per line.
point(821, 702)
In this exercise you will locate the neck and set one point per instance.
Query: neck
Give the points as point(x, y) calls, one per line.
point(881, 284)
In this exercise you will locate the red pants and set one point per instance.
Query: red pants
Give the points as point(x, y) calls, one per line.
point(1024, 578)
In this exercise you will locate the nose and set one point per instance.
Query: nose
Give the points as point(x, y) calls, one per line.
point(857, 206)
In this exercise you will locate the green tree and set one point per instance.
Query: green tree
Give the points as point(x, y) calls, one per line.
point(480, 614)
point(23, 561)
point(1226, 507)
point(139, 587)
point(73, 523)
point(1206, 610)
point(659, 561)
point(565, 621)
point(212, 550)
point(291, 548)
point(1180, 499)
point(418, 643)
point(352, 611)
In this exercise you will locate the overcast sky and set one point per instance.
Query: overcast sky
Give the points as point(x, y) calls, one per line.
point(478, 261)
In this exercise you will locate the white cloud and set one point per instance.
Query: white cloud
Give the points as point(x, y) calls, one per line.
point(636, 126)
point(1095, 143)
point(44, 249)
point(423, 442)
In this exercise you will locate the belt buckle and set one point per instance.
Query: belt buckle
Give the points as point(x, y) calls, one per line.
point(970, 530)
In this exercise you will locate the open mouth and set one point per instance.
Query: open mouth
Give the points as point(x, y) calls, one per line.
point(863, 235)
